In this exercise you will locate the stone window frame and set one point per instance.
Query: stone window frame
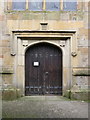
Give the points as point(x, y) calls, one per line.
point(8, 4)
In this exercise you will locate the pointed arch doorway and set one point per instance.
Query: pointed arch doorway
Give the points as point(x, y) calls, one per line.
point(43, 70)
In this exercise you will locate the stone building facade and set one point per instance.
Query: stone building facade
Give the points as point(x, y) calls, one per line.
point(66, 28)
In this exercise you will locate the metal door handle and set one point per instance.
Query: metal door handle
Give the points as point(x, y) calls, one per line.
point(46, 73)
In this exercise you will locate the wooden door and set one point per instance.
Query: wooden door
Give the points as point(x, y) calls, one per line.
point(43, 69)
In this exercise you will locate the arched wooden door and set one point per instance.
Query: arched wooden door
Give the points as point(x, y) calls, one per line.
point(43, 69)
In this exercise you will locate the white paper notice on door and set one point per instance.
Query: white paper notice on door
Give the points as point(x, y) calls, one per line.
point(36, 63)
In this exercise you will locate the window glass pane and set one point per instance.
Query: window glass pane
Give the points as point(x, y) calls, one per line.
point(18, 4)
point(70, 5)
point(53, 5)
point(35, 5)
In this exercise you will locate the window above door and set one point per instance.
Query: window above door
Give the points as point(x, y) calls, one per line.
point(70, 5)
point(43, 5)
point(52, 5)
point(18, 5)
point(35, 5)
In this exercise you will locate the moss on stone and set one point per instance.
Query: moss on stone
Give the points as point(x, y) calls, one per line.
point(80, 95)
point(81, 72)
point(11, 94)
point(68, 94)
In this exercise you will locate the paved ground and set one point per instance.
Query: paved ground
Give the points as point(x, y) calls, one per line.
point(45, 107)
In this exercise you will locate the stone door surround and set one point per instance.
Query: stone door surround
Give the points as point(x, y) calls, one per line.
point(66, 40)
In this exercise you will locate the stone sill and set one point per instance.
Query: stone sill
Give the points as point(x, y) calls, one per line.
point(81, 72)
point(44, 11)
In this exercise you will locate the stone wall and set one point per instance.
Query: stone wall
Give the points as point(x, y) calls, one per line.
point(56, 20)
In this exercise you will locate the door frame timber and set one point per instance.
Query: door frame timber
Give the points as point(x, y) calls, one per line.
point(22, 40)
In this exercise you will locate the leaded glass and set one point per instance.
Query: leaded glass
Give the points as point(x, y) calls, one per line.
point(70, 5)
point(18, 4)
point(35, 5)
point(53, 5)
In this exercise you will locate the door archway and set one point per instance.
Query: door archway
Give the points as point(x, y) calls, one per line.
point(43, 69)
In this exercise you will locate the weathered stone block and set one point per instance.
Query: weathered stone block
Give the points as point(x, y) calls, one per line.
point(64, 16)
point(5, 50)
point(8, 60)
point(83, 50)
point(83, 60)
point(67, 94)
point(10, 94)
point(82, 82)
point(7, 78)
point(83, 41)
point(80, 95)
point(5, 43)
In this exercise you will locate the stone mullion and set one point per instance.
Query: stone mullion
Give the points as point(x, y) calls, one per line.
point(44, 4)
point(80, 4)
point(5, 5)
point(61, 4)
point(27, 1)
point(9, 4)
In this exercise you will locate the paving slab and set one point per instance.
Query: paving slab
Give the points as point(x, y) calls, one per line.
point(44, 107)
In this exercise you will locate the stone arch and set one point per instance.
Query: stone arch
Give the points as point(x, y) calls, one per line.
point(47, 42)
